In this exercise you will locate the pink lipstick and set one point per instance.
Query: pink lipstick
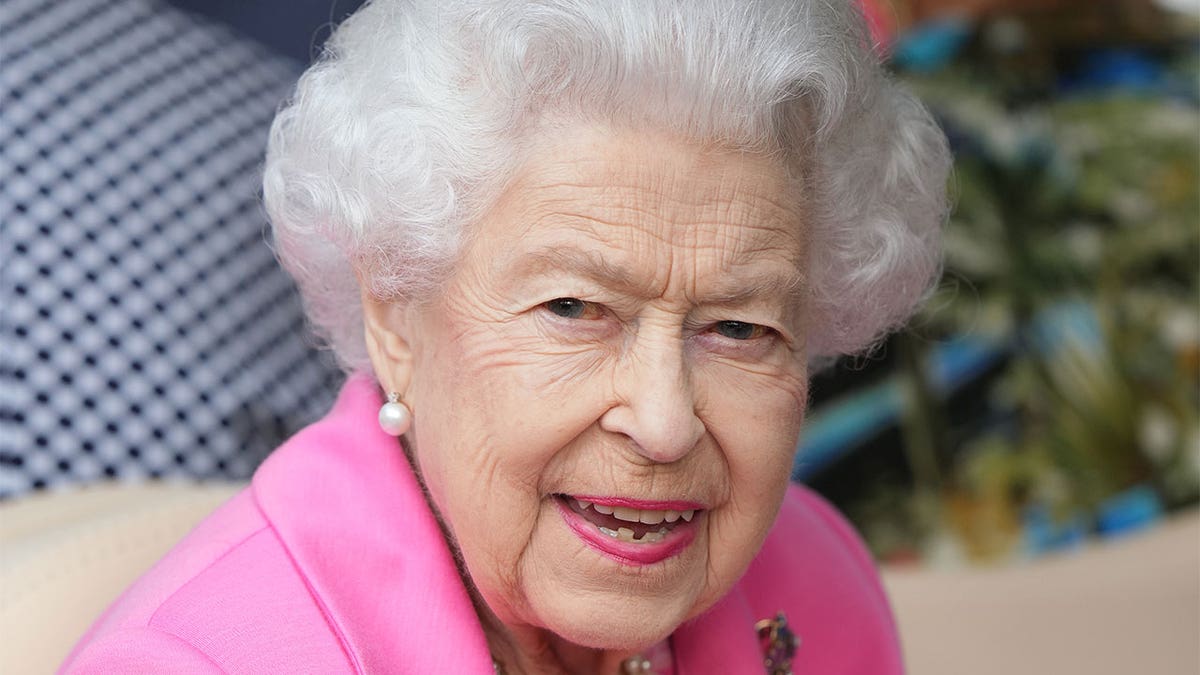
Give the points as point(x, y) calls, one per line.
point(632, 531)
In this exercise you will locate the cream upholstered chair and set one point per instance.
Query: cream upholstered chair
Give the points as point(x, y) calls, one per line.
point(64, 556)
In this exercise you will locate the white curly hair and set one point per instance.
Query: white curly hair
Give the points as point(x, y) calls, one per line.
point(407, 127)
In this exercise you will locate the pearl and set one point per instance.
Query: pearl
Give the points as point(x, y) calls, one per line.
point(395, 418)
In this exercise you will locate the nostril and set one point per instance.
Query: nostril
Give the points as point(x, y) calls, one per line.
point(667, 442)
point(655, 408)
point(663, 434)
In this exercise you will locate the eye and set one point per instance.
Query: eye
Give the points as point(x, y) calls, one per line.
point(573, 308)
point(740, 330)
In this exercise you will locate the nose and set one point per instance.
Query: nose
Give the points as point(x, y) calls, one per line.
point(656, 403)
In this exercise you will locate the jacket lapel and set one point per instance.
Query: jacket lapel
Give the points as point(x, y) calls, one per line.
point(348, 508)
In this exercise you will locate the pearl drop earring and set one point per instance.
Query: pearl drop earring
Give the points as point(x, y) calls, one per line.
point(394, 417)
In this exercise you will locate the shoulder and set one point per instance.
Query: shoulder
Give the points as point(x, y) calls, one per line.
point(227, 598)
point(815, 568)
point(187, 564)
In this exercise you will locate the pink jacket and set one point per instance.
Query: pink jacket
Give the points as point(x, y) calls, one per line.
point(331, 562)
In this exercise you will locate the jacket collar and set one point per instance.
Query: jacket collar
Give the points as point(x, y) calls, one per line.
point(722, 640)
point(347, 507)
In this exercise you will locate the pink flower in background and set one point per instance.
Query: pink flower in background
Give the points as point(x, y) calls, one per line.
point(882, 22)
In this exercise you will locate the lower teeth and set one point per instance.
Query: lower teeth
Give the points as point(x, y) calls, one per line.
point(626, 534)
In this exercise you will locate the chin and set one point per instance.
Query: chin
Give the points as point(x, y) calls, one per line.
point(616, 624)
point(615, 636)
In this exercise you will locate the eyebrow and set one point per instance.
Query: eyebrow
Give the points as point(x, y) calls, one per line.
point(586, 264)
point(791, 285)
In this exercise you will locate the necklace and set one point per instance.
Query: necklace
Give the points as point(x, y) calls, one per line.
point(637, 665)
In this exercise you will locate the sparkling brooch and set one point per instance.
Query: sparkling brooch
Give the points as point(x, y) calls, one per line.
point(778, 643)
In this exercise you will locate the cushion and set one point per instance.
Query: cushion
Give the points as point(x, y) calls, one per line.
point(147, 328)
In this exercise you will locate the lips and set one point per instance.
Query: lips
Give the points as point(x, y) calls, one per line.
point(631, 531)
point(631, 524)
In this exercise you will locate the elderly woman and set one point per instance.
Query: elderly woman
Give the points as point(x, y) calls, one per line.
point(581, 256)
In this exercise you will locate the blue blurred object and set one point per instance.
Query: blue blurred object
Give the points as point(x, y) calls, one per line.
point(1066, 324)
point(932, 45)
point(845, 424)
point(1043, 535)
point(961, 360)
point(839, 427)
point(1130, 511)
point(1115, 69)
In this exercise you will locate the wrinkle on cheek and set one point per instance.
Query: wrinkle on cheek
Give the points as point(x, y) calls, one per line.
point(564, 371)
point(745, 508)
point(492, 474)
point(481, 332)
point(489, 339)
point(748, 381)
point(537, 366)
point(468, 309)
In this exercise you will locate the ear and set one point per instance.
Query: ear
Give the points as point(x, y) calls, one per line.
point(386, 328)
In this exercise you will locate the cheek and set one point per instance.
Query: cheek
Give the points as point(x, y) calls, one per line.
point(767, 406)
point(756, 423)
point(759, 447)
point(504, 392)
point(773, 421)
point(495, 412)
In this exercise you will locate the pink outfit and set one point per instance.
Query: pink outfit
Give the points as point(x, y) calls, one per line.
point(332, 562)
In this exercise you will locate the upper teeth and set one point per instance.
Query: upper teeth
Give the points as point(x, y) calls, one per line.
point(626, 534)
point(649, 517)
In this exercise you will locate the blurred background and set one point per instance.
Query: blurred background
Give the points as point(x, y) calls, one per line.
point(1049, 392)
point(1026, 453)
point(1024, 458)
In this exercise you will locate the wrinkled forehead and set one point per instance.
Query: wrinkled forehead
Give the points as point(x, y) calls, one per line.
point(604, 185)
point(649, 217)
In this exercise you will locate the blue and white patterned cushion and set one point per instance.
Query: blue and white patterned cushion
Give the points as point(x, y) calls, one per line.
point(145, 326)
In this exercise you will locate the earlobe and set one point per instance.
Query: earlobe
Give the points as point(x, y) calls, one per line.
point(387, 344)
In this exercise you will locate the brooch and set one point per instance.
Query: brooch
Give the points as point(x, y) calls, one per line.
point(778, 643)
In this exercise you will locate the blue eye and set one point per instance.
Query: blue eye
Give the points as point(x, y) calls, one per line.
point(740, 330)
point(573, 308)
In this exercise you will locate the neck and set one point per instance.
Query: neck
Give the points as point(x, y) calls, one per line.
point(526, 650)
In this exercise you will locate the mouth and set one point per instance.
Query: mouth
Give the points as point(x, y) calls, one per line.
point(631, 531)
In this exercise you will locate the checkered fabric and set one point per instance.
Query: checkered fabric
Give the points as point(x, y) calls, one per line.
point(146, 329)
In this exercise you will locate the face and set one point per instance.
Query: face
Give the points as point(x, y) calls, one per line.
point(622, 340)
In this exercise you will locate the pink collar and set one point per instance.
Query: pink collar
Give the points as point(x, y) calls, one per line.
point(347, 507)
